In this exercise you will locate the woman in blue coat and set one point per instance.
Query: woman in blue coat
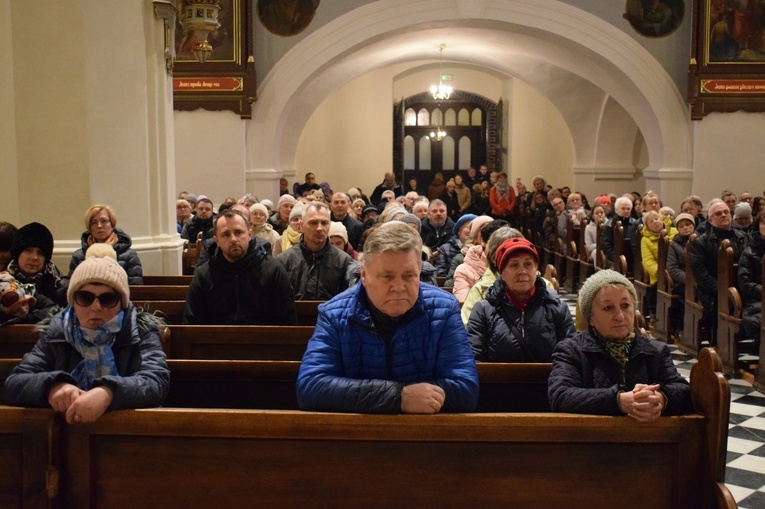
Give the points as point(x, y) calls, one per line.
point(97, 354)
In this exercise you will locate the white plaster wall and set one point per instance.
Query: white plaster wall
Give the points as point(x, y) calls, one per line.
point(9, 205)
point(729, 153)
point(348, 141)
point(210, 154)
point(540, 142)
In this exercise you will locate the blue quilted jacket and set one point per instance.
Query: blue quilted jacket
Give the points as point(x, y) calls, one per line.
point(348, 367)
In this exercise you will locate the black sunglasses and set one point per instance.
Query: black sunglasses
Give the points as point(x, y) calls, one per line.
point(107, 300)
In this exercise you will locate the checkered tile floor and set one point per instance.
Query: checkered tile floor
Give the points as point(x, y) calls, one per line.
point(745, 471)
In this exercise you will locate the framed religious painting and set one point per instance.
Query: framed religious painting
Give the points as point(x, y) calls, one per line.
point(226, 79)
point(727, 67)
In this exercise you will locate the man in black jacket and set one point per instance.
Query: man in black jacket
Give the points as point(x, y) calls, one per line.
point(704, 261)
point(241, 284)
point(316, 268)
point(201, 222)
point(437, 228)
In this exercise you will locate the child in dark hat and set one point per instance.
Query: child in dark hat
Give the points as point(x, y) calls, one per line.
point(31, 254)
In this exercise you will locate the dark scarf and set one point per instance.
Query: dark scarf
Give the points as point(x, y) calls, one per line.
point(48, 269)
point(619, 349)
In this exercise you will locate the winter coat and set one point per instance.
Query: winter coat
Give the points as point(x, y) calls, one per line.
point(267, 233)
point(43, 309)
point(469, 272)
point(278, 227)
point(446, 254)
point(143, 381)
point(649, 250)
point(433, 236)
point(545, 322)
point(349, 367)
point(607, 237)
point(195, 226)
point(316, 276)
point(477, 293)
point(750, 285)
point(126, 257)
point(254, 290)
point(452, 204)
point(704, 262)
point(585, 379)
point(676, 263)
point(464, 198)
point(502, 206)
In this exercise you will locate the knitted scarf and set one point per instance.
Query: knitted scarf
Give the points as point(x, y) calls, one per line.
point(289, 238)
point(49, 268)
point(95, 346)
point(619, 349)
point(111, 239)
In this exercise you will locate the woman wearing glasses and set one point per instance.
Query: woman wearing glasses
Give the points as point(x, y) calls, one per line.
point(97, 354)
point(101, 224)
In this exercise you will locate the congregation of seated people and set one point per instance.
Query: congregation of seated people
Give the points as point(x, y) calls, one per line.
point(375, 261)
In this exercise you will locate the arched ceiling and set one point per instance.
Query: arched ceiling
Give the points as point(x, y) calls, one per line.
point(576, 62)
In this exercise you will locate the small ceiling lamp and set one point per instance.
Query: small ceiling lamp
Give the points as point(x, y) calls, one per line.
point(438, 134)
point(201, 17)
point(441, 92)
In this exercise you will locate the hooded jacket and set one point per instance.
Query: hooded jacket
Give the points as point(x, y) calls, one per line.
point(254, 290)
point(143, 380)
point(349, 367)
point(545, 322)
point(470, 271)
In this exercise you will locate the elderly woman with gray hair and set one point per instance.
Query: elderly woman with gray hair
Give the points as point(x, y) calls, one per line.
point(609, 368)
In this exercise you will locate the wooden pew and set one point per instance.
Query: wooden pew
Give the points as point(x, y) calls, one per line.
point(664, 296)
point(640, 278)
point(293, 459)
point(172, 310)
point(234, 342)
point(16, 340)
point(147, 292)
point(601, 262)
point(571, 283)
point(167, 280)
point(30, 465)
point(621, 251)
point(690, 341)
point(759, 376)
point(586, 266)
point(729, 308)
point(190, 255)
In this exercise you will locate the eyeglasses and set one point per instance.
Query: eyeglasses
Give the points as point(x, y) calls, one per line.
point(102, 222)
point(107, 300)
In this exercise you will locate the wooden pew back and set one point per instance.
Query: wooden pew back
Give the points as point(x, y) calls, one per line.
point(690, 342)
point(729, 308)
point(664, 295)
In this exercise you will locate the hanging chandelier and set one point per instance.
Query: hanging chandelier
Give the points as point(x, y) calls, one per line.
point(438, 134)
point(441, 92)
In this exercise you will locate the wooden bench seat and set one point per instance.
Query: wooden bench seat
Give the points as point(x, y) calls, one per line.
point(167, 280)
point(234, 342)
point(172, 310)
point(278, 458)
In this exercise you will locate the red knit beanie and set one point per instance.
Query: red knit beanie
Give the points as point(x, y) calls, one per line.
point(513, 247)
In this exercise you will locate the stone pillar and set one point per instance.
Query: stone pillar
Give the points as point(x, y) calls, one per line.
point(93, 117)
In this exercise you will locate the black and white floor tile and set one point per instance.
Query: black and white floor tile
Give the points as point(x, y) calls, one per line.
point(745, 470)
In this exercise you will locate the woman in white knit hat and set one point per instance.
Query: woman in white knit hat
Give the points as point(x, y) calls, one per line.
point(609, 368)
point(260, 227)
point(97, 354)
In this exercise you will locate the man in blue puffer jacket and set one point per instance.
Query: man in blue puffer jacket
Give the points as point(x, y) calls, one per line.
point(390, 344)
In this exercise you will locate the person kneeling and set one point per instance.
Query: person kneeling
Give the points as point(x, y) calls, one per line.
point(609, 368)
point(97, 354)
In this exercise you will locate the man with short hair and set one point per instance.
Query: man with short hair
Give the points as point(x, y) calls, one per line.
point(746, 197)
point(704, 260)
point(316, 269)
point(340, 205)
point(308, 186)
point(240, 284)
point(201, 222)
point(388, 184)
point(483, 174)
point(437, 227)
point(730, 200)
point(390, 344)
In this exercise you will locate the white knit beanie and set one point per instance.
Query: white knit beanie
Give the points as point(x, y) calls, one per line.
point(337, 229)
point(100, 266)
point(594, 283)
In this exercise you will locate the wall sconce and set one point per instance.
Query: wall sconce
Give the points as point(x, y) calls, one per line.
point(201, 17)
